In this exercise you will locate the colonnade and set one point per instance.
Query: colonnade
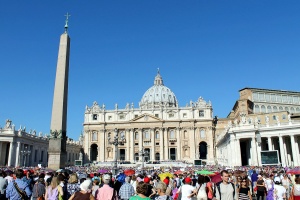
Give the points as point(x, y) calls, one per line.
point(287, 146)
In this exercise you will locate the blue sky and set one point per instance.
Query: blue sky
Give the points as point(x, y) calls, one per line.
point(202, 47)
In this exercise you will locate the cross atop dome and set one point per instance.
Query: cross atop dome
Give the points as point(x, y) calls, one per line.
point(158, 79)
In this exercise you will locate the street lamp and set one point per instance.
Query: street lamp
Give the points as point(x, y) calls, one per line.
point(116, 141)
point(25, 153)
point(143, 154)
point(215, 122)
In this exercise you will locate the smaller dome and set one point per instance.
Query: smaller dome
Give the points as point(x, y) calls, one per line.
point(158, 95)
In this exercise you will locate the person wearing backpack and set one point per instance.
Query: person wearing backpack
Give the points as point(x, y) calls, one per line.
point(225, 190)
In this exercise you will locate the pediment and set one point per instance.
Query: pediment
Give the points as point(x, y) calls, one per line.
point(146, 118)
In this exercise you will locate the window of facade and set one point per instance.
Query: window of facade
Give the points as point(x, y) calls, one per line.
point(273, 97)
point(290, 99)
point(280, 108)
point(184, 115)
point(95, 116)
point(279, 99)
point(202, 133)
point(201, 113)
point(122, 134)
point(172, 134)
point(269, 109)
point(275, 109)
point(283, 116)
point(109, 117)
point(297, 109)
point(156, 135)
point(297, 100)
point(94, 136)
point(284, 98)
point(122, 117)
point(147, 135)
point(136, 136)
point(256, 109)
point(268, 97)
point(274, 117)
point(136, 157)
point(286, 109)
point(135, 116)
point(263, 109)
point(156, 115)
point(171, 115)
point(255, 96)
point(292, 110)
point(261, 96)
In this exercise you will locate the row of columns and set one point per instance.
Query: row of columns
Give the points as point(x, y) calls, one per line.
point(102, 143)
point(257, 148)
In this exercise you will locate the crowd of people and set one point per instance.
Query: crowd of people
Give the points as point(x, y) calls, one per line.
point(156, 184)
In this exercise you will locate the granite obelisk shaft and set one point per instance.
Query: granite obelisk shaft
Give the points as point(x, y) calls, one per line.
point(57, 143)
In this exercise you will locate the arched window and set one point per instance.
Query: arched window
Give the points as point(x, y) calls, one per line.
point(185, 135)
point(147, 135)
point(156, 135)
point(286, 109)
point(280, 108)
point(292, 110)
point(275, 109)
point(269, 109)
point(172, 134)
point(202, 133)
point(256, 109)
point(136, 157)
point(94, 136)
point(297, 109)
point(136, 136)
point(263, 109)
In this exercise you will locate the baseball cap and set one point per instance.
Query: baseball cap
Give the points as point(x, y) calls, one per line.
point(146, 180)
point(187, 180)
point(166, 181)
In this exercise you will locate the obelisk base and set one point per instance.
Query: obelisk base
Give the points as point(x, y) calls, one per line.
point(57, 157)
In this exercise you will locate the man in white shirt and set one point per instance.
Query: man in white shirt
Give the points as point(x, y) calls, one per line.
point(225, 190)
point(187, 191)
point(279, 191)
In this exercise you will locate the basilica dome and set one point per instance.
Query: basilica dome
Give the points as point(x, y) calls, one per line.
point(158, 95)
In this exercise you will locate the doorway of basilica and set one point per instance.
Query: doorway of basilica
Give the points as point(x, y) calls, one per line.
point(203, 150)
point(94, 152)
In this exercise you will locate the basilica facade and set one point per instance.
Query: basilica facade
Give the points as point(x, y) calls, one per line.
point(158, 129)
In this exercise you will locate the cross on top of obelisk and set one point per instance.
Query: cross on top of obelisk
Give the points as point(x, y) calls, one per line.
point(67, 20)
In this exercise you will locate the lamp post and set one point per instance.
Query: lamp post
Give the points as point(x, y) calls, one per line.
point(215, 122)
point(143, 153)
point(25, 153)
point(116, 141)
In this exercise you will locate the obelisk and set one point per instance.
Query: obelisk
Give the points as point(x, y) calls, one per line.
point(58, 137)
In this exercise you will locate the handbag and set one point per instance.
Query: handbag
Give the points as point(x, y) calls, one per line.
point(21, 192)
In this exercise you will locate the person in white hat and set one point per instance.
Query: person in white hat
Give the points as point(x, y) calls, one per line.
point(85, 192)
